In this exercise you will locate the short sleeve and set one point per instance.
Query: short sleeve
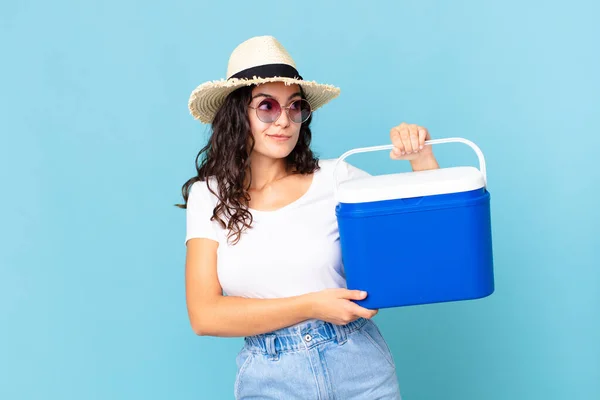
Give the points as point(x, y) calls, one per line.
point(200, 205)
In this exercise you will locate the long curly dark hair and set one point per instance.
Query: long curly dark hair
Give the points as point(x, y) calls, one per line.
point(226, 157)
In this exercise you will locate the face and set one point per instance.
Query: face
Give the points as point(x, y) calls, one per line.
point(274, 139)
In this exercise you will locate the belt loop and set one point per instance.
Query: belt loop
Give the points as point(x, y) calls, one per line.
point(270, 345)
point(340, 332)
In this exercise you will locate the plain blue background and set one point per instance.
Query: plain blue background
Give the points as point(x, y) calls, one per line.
point(96, 141)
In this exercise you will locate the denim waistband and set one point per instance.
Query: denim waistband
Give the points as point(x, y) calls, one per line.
point(301, 336)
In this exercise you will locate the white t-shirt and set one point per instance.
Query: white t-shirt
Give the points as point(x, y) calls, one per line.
point(287, 252)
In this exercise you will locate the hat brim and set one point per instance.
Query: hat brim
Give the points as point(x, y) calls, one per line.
point(206, 99)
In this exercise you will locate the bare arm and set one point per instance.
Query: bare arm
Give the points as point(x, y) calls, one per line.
point(213, 314)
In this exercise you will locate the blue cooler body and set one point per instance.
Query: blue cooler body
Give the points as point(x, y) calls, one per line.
point(418, 237)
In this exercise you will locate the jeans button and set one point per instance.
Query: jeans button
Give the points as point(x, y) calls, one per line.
point(307, 337)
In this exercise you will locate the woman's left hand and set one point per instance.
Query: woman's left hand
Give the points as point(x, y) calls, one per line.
point(409, 142)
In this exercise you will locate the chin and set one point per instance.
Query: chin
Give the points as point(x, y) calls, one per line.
point(273, 153)
point(279, 153)
point(275, 150)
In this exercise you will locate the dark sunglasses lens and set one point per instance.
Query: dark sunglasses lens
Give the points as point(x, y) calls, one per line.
point(300, 111)
point(268, 110)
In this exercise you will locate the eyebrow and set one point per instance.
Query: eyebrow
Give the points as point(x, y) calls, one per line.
point(268, 95)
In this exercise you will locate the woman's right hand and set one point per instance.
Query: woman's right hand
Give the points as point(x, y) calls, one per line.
point(334, 305)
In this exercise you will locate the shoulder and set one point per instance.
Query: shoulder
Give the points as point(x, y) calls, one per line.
point(200, 193)
point(328, 163)
point(343, 170)
point(201, 186)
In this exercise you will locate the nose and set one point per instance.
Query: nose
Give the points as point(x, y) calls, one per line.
point(284, 119)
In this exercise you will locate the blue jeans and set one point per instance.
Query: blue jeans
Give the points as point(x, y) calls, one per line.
point(317, 360)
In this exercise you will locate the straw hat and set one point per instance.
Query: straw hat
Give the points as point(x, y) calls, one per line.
point(258, 60)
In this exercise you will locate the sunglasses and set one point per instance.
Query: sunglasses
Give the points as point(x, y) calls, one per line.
point(269, 110)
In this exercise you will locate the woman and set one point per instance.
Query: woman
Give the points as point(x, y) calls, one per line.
point(263, 256)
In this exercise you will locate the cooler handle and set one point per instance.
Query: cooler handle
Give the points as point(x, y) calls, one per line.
point(427, 142)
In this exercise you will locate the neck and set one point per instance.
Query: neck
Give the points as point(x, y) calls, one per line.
point(266, 170)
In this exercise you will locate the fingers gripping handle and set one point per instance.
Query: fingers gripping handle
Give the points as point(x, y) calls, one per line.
point(391, 146)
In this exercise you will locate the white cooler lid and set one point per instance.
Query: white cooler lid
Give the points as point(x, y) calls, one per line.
point(410, 184)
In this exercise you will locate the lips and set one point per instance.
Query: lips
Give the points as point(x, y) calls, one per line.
point(279, 138)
